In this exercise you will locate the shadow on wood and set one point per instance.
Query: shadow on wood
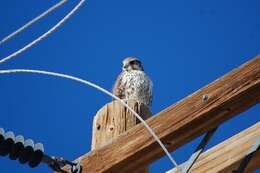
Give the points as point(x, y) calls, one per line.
point(227, 156)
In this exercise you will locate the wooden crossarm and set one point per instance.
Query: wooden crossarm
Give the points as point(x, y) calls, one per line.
point(226, 156)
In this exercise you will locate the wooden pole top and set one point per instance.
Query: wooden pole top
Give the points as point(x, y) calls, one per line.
point(114, 119)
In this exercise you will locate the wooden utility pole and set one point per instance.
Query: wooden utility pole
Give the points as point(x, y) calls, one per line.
point(114, 119)
point(180, 123)
point(207, 108)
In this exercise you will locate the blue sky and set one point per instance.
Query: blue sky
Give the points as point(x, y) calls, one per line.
point(184, 45)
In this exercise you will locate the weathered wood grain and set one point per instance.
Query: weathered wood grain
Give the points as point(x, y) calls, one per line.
point(226, 156)
point(114, 119)
point(180, 123)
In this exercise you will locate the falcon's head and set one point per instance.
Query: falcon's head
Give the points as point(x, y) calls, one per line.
point(132, 63)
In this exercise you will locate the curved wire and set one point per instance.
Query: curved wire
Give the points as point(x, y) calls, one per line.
point(102, 90)
point(32, 21)
point(13, 55)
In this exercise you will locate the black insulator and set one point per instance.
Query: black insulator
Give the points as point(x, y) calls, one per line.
point(2, 137)
point(2, 134)
point(17, 148)
point(27, 152)
point(7, 143)
point(37, 156)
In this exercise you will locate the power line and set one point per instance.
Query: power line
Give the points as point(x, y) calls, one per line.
point(32, 21)
point(13, 55)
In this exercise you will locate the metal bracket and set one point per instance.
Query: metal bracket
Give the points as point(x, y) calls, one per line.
point(186, 168)
point(255, 147)
point(56, 164)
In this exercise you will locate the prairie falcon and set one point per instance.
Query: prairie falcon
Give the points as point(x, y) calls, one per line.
point(133, 83)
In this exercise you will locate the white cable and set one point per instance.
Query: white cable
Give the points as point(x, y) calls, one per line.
point(100, 89)
point(13, 55)
point(68, 76)
point(33, 21)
